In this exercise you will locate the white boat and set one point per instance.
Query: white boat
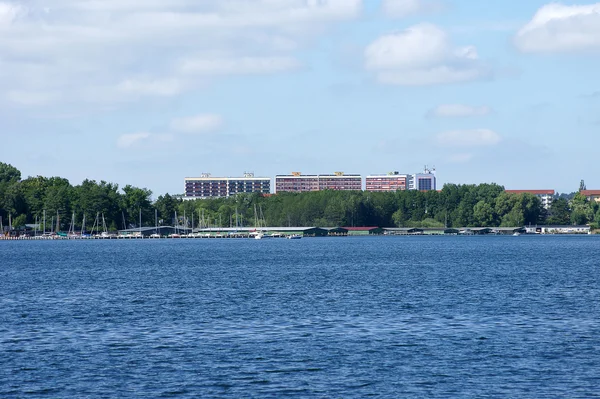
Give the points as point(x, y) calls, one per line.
point(294, 237)
point(516, 233)
point(260, 235)
point(154, 235)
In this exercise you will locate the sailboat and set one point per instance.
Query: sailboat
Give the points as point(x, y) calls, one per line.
point(260, 223)
point(105, 233)
point(176, 233)
point(83, 233)
point(71, 232)
point(155, 234)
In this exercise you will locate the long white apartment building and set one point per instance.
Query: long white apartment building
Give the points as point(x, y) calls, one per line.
point(207, 186)
point(395, 181)
point(298, 183)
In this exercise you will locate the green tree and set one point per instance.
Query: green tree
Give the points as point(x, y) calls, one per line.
point(92, 199)
point(582, 212)
point(484, 215)
point(135, 201)
point(559, 213)
point(9, 177)
point(166, 206)
point(514, 218)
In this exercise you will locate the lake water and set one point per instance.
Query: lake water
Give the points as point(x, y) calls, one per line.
point(393, 317)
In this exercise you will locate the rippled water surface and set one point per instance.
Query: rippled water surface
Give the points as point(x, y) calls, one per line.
point(409, 317)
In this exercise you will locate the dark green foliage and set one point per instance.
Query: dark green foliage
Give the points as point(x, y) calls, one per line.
point(560, 212)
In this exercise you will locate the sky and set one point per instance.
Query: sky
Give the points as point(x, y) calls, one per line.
point(148, 92)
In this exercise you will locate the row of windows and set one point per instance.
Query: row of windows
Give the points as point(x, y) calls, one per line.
point(227, 181)
point(248, 190)
point(224, 184)
point(374, 181)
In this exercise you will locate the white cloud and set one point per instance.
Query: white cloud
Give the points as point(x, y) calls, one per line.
point(128, 140)
point(165, 87)
point(239, 66)
point(31, 98)
point(459, 110)
point(560, 28)
point(126, 49)
point(197, 124)
point(422, 55)
point(468, 138)
point(9, 12)
point(404, 8)
point(460, 157)
point(131, 140)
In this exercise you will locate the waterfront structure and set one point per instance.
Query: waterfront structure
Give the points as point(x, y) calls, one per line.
point(558, 229)
point(591, 195)
point(207, 186)
point(545, 196)
point(392, 181)
point(298, 183)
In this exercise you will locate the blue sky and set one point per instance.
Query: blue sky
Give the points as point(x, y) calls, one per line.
point(149, 92)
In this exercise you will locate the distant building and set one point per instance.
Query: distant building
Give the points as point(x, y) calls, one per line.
point(591, 195)
point(422, 181)
point(558, 229)
point(392, 181)
point(207, 186)
point(545, 196)
point(297, 182)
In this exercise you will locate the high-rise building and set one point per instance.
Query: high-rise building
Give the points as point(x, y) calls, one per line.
point(422, 181)
point(297, 182)
point(207, 186)
point(392, 181)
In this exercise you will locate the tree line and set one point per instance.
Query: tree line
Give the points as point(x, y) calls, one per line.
point(26, 201)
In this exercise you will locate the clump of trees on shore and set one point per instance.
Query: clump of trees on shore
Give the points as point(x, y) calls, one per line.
point(483, 205)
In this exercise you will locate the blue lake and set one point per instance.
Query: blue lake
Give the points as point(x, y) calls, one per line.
point(393, 317)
